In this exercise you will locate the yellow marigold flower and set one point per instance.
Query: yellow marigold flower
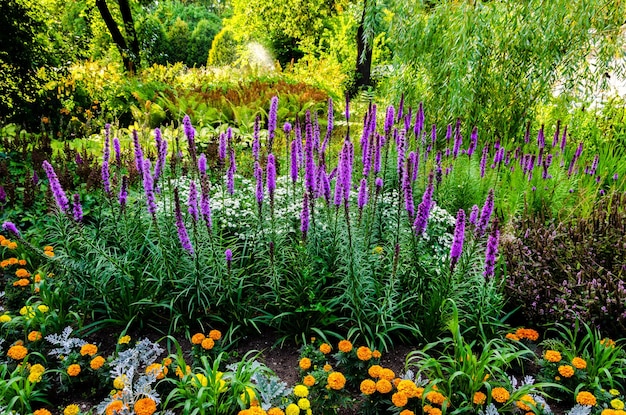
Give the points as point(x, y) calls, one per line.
point(552, 356)
point(145, 406)
point(387, 374)
point(5, 318)
point(525, 402)
point(378, 250)
point(88, 349)
point(197, 338)
point(336, 381)
point(124, 340)
point(215, 335)
point(480, 398)
point(345, 346)
point(179, 371)
point(17, 352)
point(97, 362)
point(500, 395)
point(325, 348)
point(23, 282)
point(327, 368)
point(301, 391)
point(49, 254)
point(249, 396)
point(37, 368)
point(72, 409)
point(512, 336)
point(566, 371)
point(407, 412)
point(275, 411)
point(364, 353)
point(115, 407)
point(167, 361)
point(579, 363)
point(435, 397)
point(292, 409)
point(73, 370)
point(207, 343)
point(199, 380)
point(586, 398)
point(309, 380)
point(35, 377)
point(608, 411)
point(374, 371)
point(21, 262)
point(157, 369)
point(383, 386)
point(407, 386)
point(376, 354)
point(37, 278)
point(368, 386)
point(399, 399)
point(607, 342)
point(22, 273)
point(305, 363)
point(617, 404)
point(304, 403)
point(43, 308)
point(42, 412)
point(119, 382)
point(48, 248)
point(614, 392)
point(528, 334)
point(12, 245)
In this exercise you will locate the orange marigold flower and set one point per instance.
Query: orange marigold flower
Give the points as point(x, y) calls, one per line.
point(275, 411)
point(167, 361)
point(12, 245)
point(407, 386)
point(407, 412)
point(387, 374)
point(97, 362)
point(207, 343)
point(566, 371)
point(114, 407)
point(586, 398)
point(336, 381)
point(552, 356)
point(49, 254)
point(21, 262)
point(13, 261)
point(327, 368)
point(368, 386)
point(33, 336)
point(607, 342)
point(22, 273)
point(48, 248)
point(383, 386)
point(215, 334)
point(42, 411)
point(345, 346)
point(325, 348)
point(528, 334)
point(37, 278)
point(435, 397)
point(500, 395)
point(374, 371)
point(512, 336)
point(309, 380)
point(22, 282)
point(525, 403)
point(399, 399)
point(480, 398)
point(435, 411)
point(73, 370)
point(5, 242)
point(88, 349)
point(364, 353)
point(579, 363)
point(157, 369)
point(305, 363)
point(197, 338)
point(145, 406)
point(376, 354)
point(4, 264)
point(17, 352)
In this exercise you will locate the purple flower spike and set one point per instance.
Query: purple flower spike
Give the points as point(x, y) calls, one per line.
point(389, 120)
point(10, 227)
point(106, 154)
point(202, 167)
point(230, 175)
point(555, 140)
point(615, 176)
point(483, 161)
point(491, 253)
point(473, 215)
point(221, 150)
point(57, 190)
point(485, 214)
point(105, 177)
point(35, 178)
point(423, 209)
point(229, 256)
point(457, 243)
point(294, 162)
point(138, 152)
point(271, 175)
point(379, 184)
point(287, 128)
point(183, 236)
point(160, 162)
point(77, 209)
point(363, 196)
point(564, 139)
point(256, 145)
point(271, 122)
point(401, 108)
point(192, 202)
point(118, 151)
point(148, 187)
point(123, 197)
point(458, 139)
point(473, 142)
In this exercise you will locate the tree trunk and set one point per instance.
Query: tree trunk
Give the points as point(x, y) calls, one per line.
point(364, 56)
point(130, 58)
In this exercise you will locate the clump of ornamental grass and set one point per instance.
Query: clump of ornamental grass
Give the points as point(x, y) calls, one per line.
point(572, 269)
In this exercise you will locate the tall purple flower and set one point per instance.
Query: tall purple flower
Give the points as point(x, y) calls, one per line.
point(221, 149)
point(485, 214)
point(10, 227)
point(457, 243)
point(298, 141)
point(258, 175)
point(138, 152)
point(106, 154)
point(483, 161)
point(379, 184)
point(414, 161)
point(330, 124)
point(202, 166)
point(491, 252)
point(57, 190)
point(192, 201)
point(389, 120)
point(294, 161)
point(228, 254)
point(400, 108)
point(180, 225)
point(118, 151)
point(309, 161)
point(77, 209)
point(271, 176)
point(256, 144)
point(377, 152)
point(564, 139)
point(106, 178)
point(423, 209)
point(190, 133)
point(271, 122)
point(473, 215)
point(287, 128)
point(363, 196)
point(546, 165)
point(230, 174)
point(123, 196)
point(409, 205)
point(401, 151)
point(594, 165)
point(148, 187)
point(160, 162)
point(325, 185)
point(433, 134)
point(555, 139)
point(473, 142)
point(304, 215)
point(346, 170)
point(458, 139)
point(419, 122)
